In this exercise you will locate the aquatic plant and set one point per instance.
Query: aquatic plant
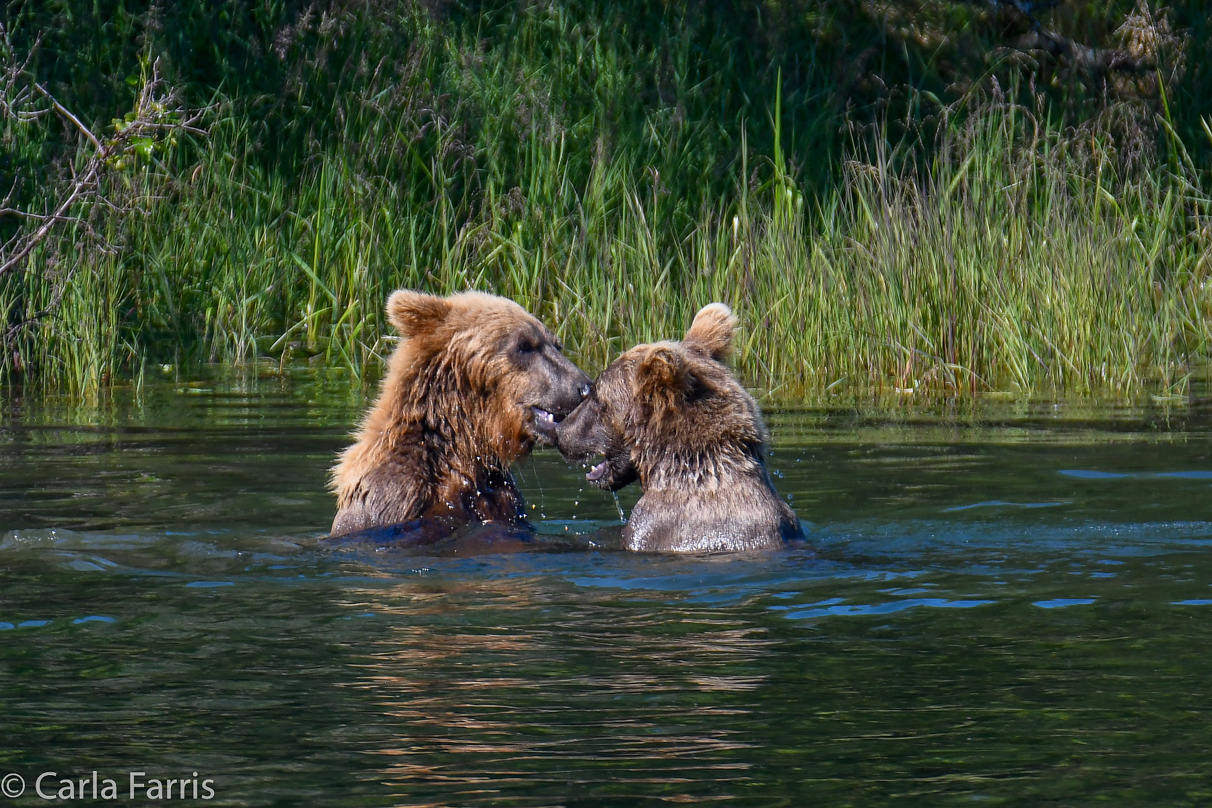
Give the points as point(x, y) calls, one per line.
point(612, 175)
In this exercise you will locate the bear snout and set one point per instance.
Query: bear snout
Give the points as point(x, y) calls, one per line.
point(574, 435)
point(568, 389)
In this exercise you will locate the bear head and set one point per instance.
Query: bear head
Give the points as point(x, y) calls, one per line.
point(481, 367)
point(666, 409)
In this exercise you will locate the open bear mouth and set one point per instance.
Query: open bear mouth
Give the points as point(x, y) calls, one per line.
point(610, 471)
point(545, 422)
point(598, 472)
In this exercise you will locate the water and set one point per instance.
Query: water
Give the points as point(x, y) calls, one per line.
point(1007, 607)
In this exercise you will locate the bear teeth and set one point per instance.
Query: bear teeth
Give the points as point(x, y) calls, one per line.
point(543, 419)
point(597, 472)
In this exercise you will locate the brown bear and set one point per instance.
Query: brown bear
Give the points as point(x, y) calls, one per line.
point(672, 415)
point(474, 384)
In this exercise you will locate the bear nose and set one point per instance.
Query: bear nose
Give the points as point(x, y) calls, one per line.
point(583, 391)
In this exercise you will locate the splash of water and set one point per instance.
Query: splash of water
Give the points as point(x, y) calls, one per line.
point(542, 493)
point(619, 505)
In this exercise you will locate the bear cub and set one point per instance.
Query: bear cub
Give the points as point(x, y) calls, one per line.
point(673, 416)
point(474, 384)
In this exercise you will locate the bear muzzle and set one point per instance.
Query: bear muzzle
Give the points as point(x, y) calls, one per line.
point(577, 436)
point(561, 398)
point(583, 437)
point(615, 471)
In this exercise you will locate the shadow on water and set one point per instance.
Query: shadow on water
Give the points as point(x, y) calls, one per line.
point(1004, 606)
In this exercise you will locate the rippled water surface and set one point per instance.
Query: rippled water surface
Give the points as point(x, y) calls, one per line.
point(1012, 605)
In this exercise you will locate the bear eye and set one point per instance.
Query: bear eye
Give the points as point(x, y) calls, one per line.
point(527, 346)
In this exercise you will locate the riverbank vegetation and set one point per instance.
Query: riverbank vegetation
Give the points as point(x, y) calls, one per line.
point(941, 197)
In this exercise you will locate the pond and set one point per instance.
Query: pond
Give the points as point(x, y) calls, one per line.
point(1003, 604)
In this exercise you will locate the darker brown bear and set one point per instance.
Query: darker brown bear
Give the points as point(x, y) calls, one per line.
point(672, 415)
point(474, 384)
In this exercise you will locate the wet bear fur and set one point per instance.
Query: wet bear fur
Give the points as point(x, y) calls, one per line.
point(473, 385)
point(673, 416)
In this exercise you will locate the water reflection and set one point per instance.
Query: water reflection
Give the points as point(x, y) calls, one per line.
point(499, 687)
point(984, 615)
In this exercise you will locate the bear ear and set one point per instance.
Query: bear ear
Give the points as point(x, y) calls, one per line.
point(414, 313)
point(712, 330)
point(664, 375)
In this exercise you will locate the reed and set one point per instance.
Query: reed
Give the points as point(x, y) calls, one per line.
point(1006, 250)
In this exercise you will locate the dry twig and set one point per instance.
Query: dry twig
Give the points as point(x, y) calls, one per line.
point(157, 116)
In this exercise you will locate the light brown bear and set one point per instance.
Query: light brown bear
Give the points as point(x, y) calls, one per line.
point(673, 415)
point(475, 383)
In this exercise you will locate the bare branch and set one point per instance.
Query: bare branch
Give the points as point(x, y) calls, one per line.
point(1083, 57)
point(66, 113)
point(157, 115)
point(82, 186)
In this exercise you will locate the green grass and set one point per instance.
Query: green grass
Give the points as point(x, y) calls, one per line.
point(1014, 252)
